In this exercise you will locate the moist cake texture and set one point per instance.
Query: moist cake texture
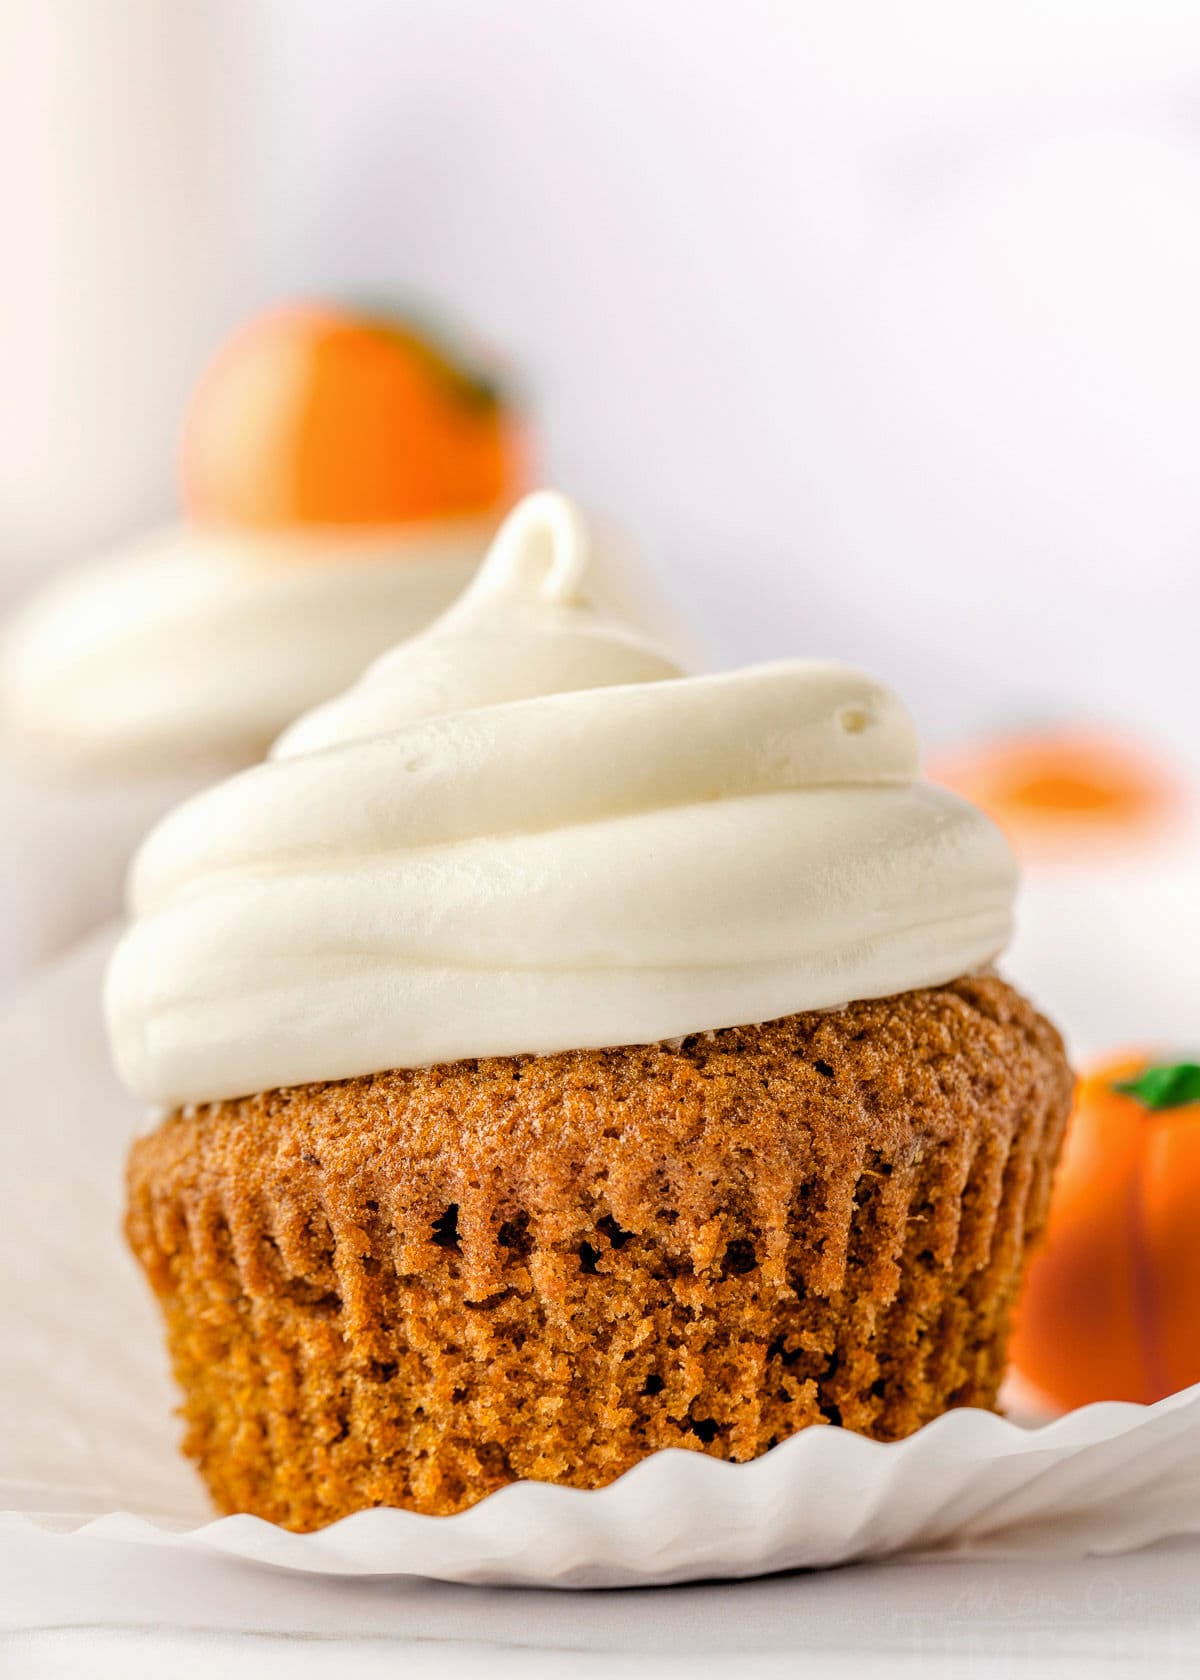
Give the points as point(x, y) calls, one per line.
point(414, 1287)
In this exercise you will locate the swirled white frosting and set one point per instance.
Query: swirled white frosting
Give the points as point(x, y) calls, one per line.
point(524, 831)
point(198, 645)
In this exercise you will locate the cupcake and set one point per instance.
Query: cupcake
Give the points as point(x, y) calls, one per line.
point(342, 475)
point(564, 1058)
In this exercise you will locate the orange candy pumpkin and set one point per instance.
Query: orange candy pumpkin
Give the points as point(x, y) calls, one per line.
point(324, 416)
point(1111, 1309)
point(1065, 790)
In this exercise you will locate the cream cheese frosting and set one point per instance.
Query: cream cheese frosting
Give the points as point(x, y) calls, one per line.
point(526, 831)
point(199, 644)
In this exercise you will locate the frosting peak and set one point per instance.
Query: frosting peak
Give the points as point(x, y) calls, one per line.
point(521, 629)
point(524, 831)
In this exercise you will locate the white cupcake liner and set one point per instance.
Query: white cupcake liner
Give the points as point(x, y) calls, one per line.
point(88, 1440)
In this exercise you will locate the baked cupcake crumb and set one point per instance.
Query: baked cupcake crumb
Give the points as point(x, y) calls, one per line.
point(412, 1288)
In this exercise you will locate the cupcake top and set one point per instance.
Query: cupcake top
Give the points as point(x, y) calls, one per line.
point(526, 831)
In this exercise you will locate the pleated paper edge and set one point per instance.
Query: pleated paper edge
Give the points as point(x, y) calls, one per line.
point(683, 1515)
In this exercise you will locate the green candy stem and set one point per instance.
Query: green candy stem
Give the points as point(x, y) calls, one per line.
point(1171, 1085)
point(435, 345)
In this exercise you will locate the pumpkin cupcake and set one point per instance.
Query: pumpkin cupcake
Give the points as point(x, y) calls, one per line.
point(564, 1059)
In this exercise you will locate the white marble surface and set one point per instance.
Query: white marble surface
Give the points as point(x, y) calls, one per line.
point(110, 1609)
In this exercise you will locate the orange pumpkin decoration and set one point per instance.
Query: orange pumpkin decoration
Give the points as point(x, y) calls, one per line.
point(1064, 790)
point(1111, 1309)
point(320, 416)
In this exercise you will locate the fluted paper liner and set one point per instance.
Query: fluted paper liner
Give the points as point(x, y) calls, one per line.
point(88, 1443)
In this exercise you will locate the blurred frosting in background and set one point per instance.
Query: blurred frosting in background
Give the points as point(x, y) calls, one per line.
point(193, 646)
point(342, 474)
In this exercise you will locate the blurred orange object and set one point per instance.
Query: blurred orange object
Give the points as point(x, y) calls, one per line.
point(1064, 790)
point(1111, 1309)
point(327, 416)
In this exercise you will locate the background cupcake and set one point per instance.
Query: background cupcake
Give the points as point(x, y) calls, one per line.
point(517, 1196)
point(342, 472)
point(1106, 823)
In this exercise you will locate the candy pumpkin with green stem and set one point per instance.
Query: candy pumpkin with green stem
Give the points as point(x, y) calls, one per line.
point(1111, 1309)
point(336, 416)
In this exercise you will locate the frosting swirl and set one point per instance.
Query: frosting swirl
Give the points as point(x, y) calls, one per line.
point(525, 832)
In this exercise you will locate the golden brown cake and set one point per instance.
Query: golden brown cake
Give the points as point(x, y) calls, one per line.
point(412, 1288)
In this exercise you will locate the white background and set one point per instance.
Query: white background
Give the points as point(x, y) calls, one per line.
point(875, 325)
point(95, 1609)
